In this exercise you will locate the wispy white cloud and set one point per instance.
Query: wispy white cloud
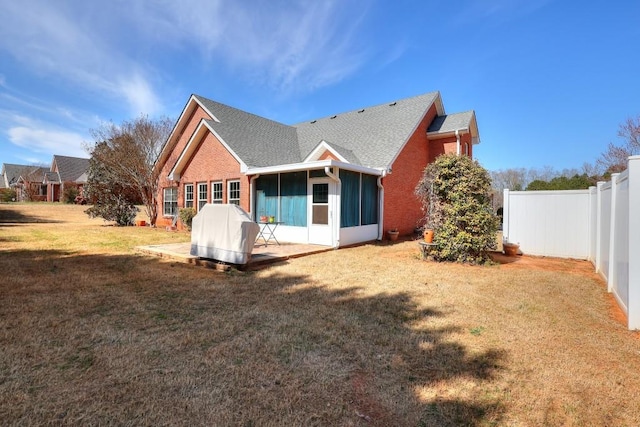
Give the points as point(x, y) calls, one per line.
point(297, 46)
point(37, 138)
point(115, 53)
point(61, 41)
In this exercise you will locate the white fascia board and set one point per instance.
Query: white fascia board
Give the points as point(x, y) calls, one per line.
point(321, 148)
point(438, 134)
point(189, 149)
point(294, 167)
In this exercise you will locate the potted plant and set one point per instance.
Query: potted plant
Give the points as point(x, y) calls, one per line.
point(428, 235)
point(393, 234)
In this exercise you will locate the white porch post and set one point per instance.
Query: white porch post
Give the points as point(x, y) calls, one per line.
point(505, 215)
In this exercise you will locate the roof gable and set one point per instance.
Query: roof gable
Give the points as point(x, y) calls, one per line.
point(375, 135)
point(450, 123)
point(69, 168)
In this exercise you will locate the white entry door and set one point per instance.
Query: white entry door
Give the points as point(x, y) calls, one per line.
point(321, 211)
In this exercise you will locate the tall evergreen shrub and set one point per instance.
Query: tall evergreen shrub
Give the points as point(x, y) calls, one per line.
point(455, 195)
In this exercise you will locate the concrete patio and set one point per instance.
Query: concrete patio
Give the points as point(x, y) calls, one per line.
point(261, 255)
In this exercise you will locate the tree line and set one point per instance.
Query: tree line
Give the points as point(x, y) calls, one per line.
point(612, 160)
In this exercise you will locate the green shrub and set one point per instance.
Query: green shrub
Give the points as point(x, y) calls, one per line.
point(454, 192)
point(8, 195)
point(70, 192)
point(186, 216)
point(115, 208)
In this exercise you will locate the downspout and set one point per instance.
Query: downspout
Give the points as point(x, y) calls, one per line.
point(251, 195)
point(381, 208)
point(458, 142)
point(334, 177)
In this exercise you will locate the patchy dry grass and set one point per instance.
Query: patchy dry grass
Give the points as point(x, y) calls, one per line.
point(92, 333)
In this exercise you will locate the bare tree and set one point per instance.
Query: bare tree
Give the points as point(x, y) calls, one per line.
point(126, 153)
point(615, 158)
point(29, 183)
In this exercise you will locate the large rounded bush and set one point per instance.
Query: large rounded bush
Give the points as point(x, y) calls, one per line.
point(455, 195)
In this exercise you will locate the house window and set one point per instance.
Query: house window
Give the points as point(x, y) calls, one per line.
point(216, 192)
point(233, 195)
point(202, 195)
point(170, 205)
point(188, 195)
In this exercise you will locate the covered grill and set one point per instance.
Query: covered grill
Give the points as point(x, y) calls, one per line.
point(224, 233)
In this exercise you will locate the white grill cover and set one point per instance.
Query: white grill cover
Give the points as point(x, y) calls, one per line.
point(224, 233)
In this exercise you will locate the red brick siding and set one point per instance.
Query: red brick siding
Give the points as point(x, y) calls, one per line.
point(210, 162)
point(327, 155)
point(449, 145)
point(402, 210)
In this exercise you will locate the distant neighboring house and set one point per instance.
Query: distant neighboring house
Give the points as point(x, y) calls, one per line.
point(65, 171)
point(339, 180)
point(38, 183)
point(26, 180)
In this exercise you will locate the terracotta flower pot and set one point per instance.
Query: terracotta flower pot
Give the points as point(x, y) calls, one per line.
point(428, 235)
point(510, 249)
point(393, 235)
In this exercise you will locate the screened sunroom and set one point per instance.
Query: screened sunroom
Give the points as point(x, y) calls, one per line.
point(334, 205)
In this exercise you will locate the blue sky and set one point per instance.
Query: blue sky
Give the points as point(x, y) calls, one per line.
point(550, 81)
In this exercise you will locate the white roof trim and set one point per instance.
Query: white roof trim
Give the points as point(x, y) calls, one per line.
point(189, 149)
point(320, 149)
point(293, 167)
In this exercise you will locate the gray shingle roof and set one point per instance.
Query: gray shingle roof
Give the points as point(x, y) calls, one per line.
point(370, 137)
point(52, 177)
point(451, 122)
point(375, 135)
point(256, 140)
point(70, 168)
point(13, 172)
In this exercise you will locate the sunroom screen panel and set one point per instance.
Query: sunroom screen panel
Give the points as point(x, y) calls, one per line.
point(350, 199)
point(267, 196)
point(293, 199)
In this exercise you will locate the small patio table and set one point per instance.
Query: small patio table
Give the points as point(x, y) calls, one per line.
point(267, 232)
point(425, 248)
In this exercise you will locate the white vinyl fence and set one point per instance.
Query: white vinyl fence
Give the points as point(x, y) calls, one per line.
point(601, 224)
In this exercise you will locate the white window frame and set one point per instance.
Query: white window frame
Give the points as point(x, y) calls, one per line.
point(202, 193)
point(167, 199)
point(188, 202)
point(233, 200)
point(214, 192)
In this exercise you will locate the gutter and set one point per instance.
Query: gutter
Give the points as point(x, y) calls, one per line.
point(381, 207)
point(251, 195)
point(458, 142)
point(335, 178)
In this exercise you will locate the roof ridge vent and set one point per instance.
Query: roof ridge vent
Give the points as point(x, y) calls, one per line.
point(393, 104)
point(361, 111)
point(313, 121)
point(333, 117)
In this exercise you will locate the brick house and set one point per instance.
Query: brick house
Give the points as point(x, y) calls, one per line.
point(67, 171)
point(25, 180)
point(338, 180)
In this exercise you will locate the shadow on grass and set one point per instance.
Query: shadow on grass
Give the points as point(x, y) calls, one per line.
point(9, 216)
point(171, 343)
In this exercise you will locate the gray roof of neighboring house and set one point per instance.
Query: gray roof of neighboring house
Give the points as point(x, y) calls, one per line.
point(52, 177)
point(70, 168)
point(13, 172)
point(451, 122)
point(370, 136)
